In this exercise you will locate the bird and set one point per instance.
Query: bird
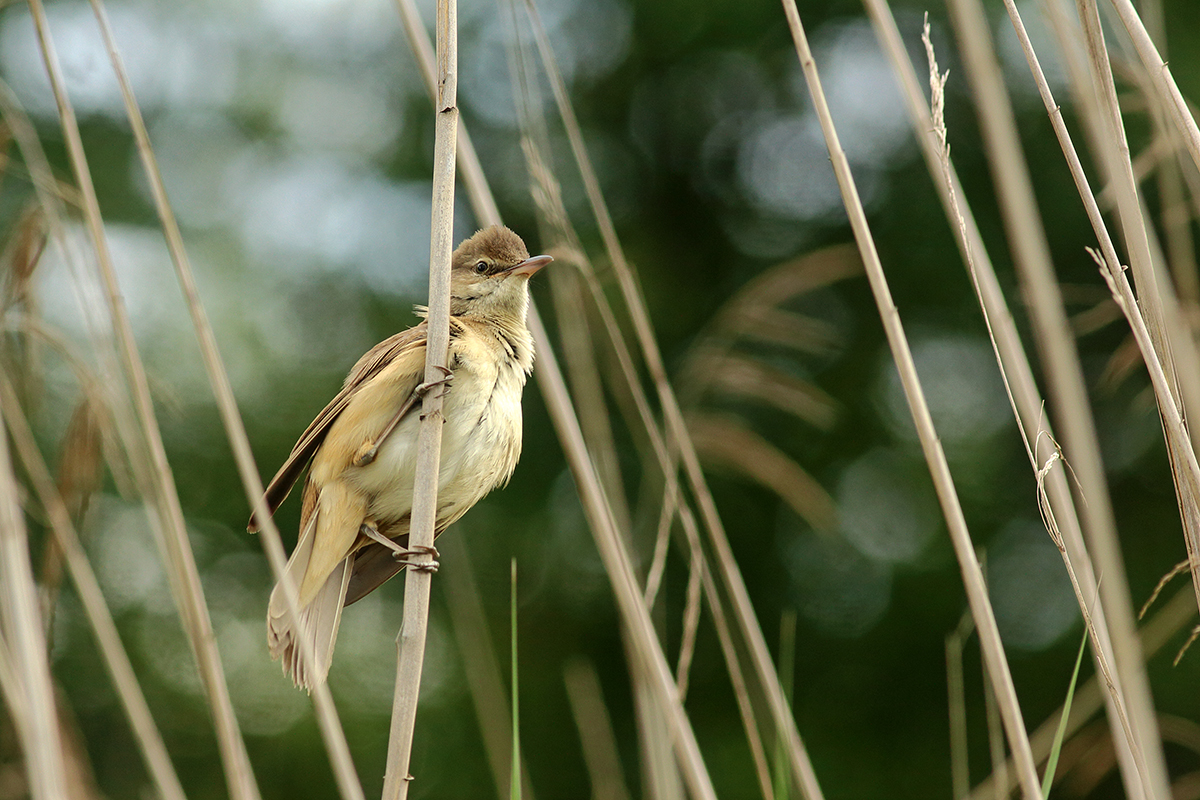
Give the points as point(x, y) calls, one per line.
point(361, 449)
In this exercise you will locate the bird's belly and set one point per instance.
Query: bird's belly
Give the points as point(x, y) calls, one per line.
point(481, 442)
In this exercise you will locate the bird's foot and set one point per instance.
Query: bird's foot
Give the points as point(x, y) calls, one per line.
point(369, 450)
point(444, 382)
point(366, 454)
point(404, 557)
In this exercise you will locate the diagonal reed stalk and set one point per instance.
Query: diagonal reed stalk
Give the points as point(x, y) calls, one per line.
point(1155, 634)
point(1161, 78)
point(116, 660)
point(1184, 466)
point(331, 730)
point(185, 577)
point(26, 681)
point(1067, 390)
point(985, 622)
point(726, 566)
point(700, 583)
point(649, 656)
point(418, 582)
point(1136, 776)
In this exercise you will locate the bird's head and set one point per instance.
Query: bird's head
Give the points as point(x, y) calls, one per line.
point(489, 275)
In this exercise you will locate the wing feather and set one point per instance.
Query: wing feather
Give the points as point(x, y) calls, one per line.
point(374, 361)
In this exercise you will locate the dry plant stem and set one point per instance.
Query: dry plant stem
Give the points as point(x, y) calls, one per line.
point(1155, 295)
point(802, 771)
point(149, 740)
point(479, 662)
point(610, 543)
point(1066, 383)
point(1186, 468)
point(29, 680)
point(186, 582)
point(1174, 614)
point(417, 582)
point(985, 621)
point(1160, 75)
point(595, 731)
point(620, 570)
point(1064, 374)
point(331, 730)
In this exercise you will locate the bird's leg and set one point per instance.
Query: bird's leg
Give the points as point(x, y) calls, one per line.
point(370, 530)
point(366, 454)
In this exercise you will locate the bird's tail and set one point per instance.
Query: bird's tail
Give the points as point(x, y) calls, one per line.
point(318, 620)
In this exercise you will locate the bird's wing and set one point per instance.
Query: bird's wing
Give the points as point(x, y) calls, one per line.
point(368, 366)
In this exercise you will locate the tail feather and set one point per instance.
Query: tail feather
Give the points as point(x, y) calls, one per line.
point(318, 620)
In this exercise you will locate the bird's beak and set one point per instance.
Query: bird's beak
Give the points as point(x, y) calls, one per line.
point(530, 265)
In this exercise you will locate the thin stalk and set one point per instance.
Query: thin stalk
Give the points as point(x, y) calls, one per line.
point(417, 583)
point(479, 663)
point(218, 377)
point(618, 565)
point(977, 597)
point(600, 753)
point(731, 578)
point(27, 669)
point(186, 584)
point(1161, 77)
point(116, 660)
point(1068, 392)
point(1154, 635)
point(1186, 469)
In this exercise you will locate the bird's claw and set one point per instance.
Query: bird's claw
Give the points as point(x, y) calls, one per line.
point(403, 556)
point(366, 454)
point(444, 381)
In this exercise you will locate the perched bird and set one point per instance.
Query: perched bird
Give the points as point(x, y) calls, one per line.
point(358, 496)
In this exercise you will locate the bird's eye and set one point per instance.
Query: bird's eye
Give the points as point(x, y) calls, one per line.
point(481, 267)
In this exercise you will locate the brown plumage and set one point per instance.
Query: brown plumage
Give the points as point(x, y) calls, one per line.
point(349, 485)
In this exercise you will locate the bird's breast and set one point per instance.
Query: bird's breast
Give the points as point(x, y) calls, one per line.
point(481, 438)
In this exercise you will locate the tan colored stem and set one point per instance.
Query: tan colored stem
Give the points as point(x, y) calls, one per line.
point(27, 682)
point(977, 597)
point(116, 660)
point(218, 377)
point(417, 582)
point(185, 581)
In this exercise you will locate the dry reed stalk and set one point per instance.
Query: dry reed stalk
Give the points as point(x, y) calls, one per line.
point(417, 581)
point(1184, 465)
point(548, 197)
point(1160, 75)
point(731, 579)
point(599, 742)
point(1068, 390)
point(116, 660)
point(700, 576)
point(1089, 697)
point(481, 666)
point(973, 582)
point(567, 288)
point(218, 377)
point(186, 578)
point(617, 563)
point(27, 685)
point(650, 662)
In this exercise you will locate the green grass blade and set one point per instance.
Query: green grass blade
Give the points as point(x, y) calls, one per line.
point(515, 784)
point(1052, 761)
